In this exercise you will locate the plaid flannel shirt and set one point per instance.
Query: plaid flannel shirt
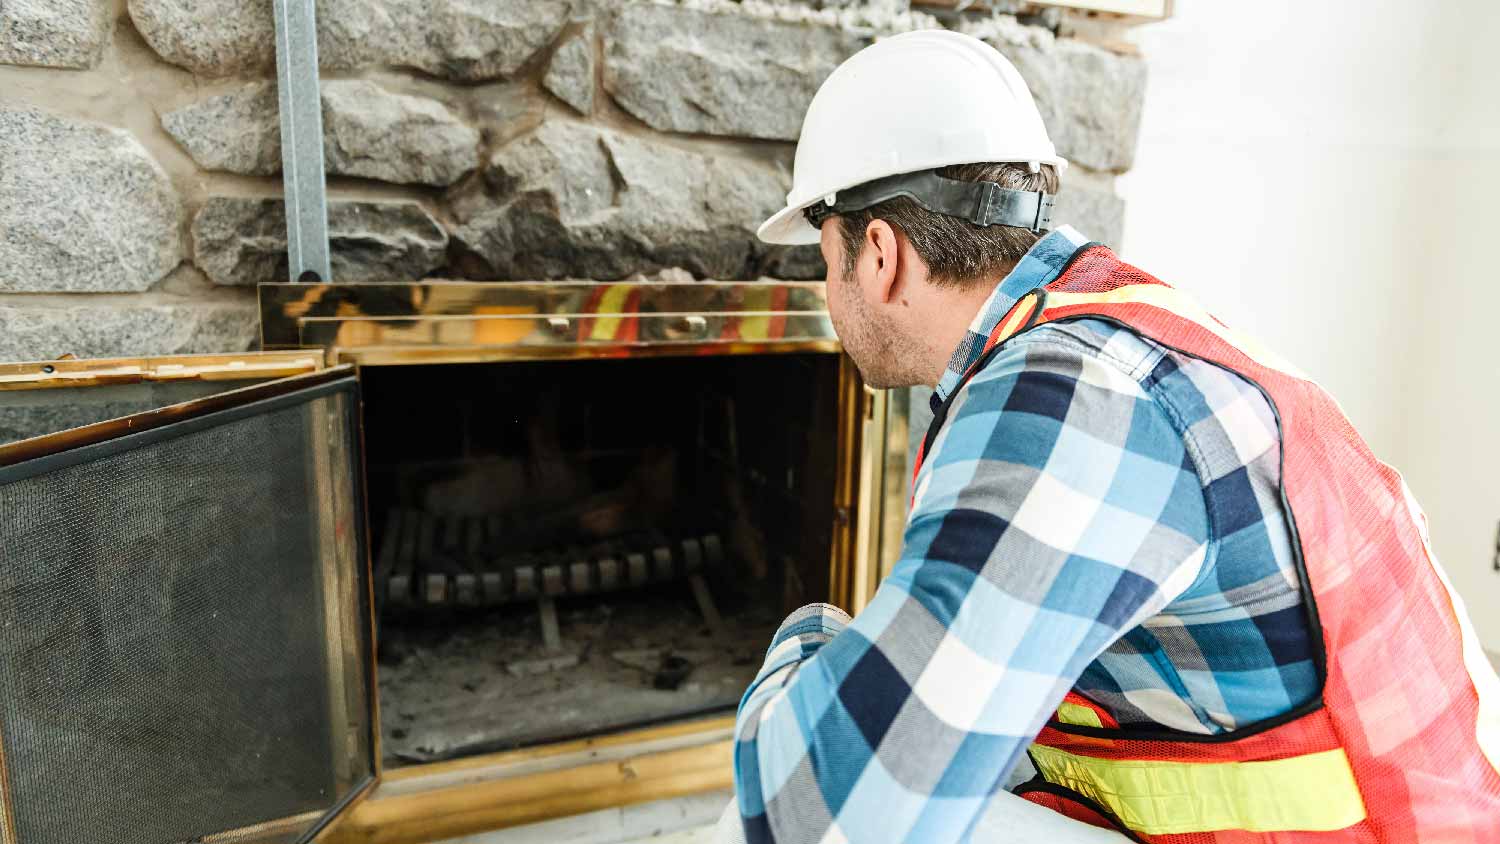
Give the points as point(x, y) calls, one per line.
point(1099, 513)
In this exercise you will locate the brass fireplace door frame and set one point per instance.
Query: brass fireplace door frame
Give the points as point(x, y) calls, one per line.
point(469, 322)
point(472, 322)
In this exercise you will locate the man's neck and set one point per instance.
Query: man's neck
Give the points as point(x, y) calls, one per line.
point(950, 312)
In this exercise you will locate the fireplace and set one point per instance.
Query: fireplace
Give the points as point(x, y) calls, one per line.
point(542, 533)
point(567, 549)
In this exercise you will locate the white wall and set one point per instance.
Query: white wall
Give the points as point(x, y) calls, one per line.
point(1327, 176)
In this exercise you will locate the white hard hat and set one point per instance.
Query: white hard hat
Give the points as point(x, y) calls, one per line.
point(913, 102)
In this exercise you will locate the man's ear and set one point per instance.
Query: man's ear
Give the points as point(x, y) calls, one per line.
point(883, 249)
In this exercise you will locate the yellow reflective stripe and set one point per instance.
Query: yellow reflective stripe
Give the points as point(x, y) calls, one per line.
point(611, 302)
point(1080, 716)
point(1315, 792)
point(1018, 315)
point(1170, 299)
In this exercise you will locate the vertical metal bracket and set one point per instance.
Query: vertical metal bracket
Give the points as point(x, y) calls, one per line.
point(302, 140)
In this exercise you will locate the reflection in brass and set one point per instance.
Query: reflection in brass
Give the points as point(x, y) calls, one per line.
point(7, 817)
point(479, 794)
point(454, 321)
point(844, 566)
point(277, 830)
point(867, 524)
point(881, 512)
point(89, 373)
point(333, 475)
point(893, 491)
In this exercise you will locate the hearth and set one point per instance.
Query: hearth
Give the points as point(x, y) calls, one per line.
point(450, 556)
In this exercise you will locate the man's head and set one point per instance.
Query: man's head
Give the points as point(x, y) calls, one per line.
point(896, 269)
point(925, 172)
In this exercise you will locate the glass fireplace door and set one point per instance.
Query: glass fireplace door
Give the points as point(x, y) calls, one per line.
point(185, 621)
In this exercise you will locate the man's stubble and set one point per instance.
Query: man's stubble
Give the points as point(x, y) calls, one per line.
point(886, 356)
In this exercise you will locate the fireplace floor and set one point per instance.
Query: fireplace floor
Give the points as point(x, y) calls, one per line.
point(458, 684)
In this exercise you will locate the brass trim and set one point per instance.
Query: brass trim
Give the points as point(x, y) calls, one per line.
point(398, 356)
point(264, 831)
point(470, 796)
point(871, 490)
point(867, 523)
point(23, 450)
point(845, 563)
point(880, 512)
point(372, 620)
point(7, 812)
point(341, 579)
point(895, 490)
point(90, 373)
point(454, 321)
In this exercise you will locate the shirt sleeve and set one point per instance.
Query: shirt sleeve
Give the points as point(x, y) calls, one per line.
point(1057, 510)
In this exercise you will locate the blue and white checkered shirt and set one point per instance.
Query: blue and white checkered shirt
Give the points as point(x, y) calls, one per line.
point(1099, 513)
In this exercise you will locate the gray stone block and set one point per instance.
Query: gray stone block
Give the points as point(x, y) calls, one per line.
point(682, 70)
point(1098, 214)
point(890, 7)
point(571, 74)
point(452, 39)
point(575, 200)
point(53, 33)
point(1090, 98)
point(367, 132)
point(95, 328)
point(83, 207)
point(242, 241)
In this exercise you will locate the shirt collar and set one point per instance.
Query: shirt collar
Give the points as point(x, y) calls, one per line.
point(1038, 267)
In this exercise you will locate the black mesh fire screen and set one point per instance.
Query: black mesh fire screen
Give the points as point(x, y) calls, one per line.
point(183, 648)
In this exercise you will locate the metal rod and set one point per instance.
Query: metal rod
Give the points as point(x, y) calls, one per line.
point(302, 140)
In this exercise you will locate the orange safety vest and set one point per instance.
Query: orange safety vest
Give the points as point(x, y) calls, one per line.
point(1402, 744)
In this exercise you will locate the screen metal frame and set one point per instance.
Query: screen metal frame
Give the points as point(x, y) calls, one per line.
point(40, 455)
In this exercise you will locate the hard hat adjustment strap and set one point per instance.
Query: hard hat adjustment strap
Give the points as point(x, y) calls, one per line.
point(981, 203)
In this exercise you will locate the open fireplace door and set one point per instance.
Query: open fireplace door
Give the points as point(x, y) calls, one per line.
point(185, 614)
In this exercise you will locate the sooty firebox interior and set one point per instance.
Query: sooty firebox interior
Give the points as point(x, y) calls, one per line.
point(563, 548)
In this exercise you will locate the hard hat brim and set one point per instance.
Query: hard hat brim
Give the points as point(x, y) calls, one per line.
point(790, 227)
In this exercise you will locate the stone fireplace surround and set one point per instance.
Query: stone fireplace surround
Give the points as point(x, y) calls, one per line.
point(545, 139)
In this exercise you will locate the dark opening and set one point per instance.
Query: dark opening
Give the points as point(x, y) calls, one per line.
point(669, 511)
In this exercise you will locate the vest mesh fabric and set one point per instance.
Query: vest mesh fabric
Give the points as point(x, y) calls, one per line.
point(1398, 697)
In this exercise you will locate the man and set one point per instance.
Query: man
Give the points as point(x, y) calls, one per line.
point(1140, 547)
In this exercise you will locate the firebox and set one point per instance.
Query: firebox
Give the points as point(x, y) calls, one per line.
point(446, 557)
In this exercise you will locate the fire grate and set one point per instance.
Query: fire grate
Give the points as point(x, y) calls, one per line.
point(430, 561)
point(433, 560)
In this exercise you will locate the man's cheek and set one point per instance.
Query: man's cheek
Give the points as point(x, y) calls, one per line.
point(835, 304)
